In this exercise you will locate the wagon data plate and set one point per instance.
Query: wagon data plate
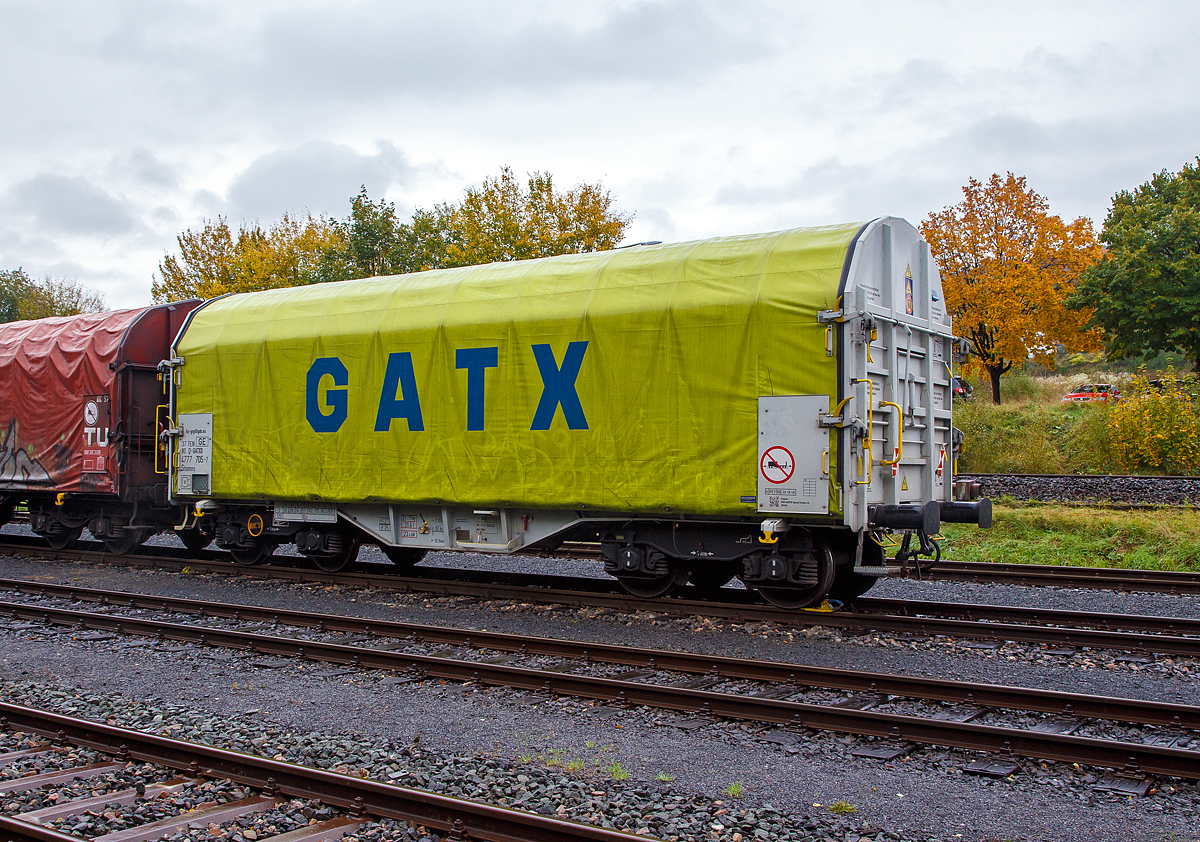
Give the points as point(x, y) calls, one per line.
point(291, 512)
point(194, 472)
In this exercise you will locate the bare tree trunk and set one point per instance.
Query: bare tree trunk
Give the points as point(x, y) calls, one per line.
point(994, 374)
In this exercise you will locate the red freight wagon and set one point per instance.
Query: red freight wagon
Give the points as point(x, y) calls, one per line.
point(78, 429)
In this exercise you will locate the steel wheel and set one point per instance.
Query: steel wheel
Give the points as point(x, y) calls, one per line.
point(803, 597)
point(847, 584)
point(337, 561)
point(129, 539)
point(650, 587)
point(254, 555)
point(64, 539)
point(403, 558)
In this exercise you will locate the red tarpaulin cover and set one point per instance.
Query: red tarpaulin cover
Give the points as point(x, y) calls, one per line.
point(56, 390)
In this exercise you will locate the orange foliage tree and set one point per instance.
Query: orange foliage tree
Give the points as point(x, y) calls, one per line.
point(1007, 266)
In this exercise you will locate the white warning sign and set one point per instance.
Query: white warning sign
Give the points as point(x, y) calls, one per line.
point(793, 468)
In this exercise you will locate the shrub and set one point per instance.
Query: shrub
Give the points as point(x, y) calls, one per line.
point(1087, 445)
point(1157, 428)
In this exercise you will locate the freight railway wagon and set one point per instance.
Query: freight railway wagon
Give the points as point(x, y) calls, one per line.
point(763, 407)
point(79, 410)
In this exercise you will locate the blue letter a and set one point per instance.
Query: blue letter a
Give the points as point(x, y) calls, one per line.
point(399, 376)
point(558, 386)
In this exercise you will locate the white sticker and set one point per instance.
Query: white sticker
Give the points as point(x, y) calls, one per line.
point(194, 471)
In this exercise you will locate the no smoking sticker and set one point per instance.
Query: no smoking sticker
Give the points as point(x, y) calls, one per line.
point(777, 465)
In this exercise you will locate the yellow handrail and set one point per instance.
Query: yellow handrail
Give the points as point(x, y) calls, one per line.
point(899, 434)
point(162, 420)
point(870, 453)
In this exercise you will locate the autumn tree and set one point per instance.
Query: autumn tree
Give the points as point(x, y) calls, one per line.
point(213, 260)
point(500, 220)
point(1145, 293)
point(1007, 267)
point(21, 297)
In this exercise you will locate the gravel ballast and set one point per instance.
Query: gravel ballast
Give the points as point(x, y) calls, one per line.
point(568, 750)
point(1169, 491)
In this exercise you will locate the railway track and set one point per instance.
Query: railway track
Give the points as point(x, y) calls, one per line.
point(898, 709)
point(262, 785)
point(1151, 581)
point(1123, 632)
point(1105, 578)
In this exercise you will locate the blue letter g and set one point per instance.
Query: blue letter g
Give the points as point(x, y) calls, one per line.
point(335, 399)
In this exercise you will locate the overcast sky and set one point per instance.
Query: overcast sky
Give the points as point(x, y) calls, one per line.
point(125, 123)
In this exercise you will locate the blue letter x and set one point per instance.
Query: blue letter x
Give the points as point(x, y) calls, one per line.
point(558, 386)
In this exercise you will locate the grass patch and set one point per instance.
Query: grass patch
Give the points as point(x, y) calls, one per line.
point(843, 808)
point(1048, 533)
point(1035, 438)
point(735, 789)
point(618, 772)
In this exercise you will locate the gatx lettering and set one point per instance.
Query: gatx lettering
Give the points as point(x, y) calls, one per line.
point(400, 397)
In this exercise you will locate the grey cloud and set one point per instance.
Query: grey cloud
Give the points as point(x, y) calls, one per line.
point(320, 177)
point(1108, 156)
point(144, 168)
point(836, 191)
point(652, 223)
point(365, 52)
point(72, 205)
point(1009, 134)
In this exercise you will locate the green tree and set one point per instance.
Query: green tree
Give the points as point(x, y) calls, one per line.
point(21, 297)
point(60, 297)
point(14, 288)
point(1146, 291)
point(213, 260)
point(370, 242)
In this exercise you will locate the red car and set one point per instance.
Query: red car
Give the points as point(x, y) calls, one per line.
point(1093, 393)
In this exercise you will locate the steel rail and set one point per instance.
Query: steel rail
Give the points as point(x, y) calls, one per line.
point(471, 819)
point(993, 695)
point(917, 617)
point(1068, 748)
point(174, 558)
point(967, 620)
point(1061, 576)
point(13, 830)
point(1065, 618)
point(1106, 477)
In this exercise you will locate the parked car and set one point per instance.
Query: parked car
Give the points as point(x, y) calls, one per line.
point(1093, 393)
point(962, 389)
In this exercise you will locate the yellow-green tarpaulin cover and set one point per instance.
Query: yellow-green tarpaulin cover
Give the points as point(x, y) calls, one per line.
point(620, 380)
